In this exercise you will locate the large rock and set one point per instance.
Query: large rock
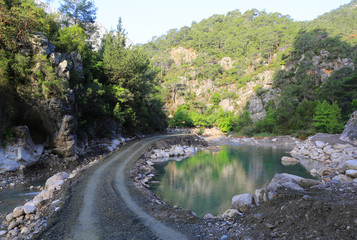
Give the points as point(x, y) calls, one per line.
point(284, 181)
point(350, 132)
point(286, 161)
point(243, 202)
point(350, 164)
point(23, 152)
point(55, 179)
point(66, 139)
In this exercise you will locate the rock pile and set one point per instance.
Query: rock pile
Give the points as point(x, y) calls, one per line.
point(281, 182)
point(331, 157)
point(27, 220)
point(175, 152)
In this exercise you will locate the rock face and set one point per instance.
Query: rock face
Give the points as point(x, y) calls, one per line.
point(350, 132)
point(66, 139)
point(182, 55)
point(23, 152)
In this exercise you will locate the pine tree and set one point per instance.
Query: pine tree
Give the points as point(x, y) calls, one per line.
point(81, 12)
point(327, 117)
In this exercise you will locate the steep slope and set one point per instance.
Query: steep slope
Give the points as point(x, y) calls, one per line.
point(255, 61)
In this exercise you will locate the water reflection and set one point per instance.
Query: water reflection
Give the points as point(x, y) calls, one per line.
point(207, 181)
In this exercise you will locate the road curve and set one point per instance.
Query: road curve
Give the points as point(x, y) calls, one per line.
point(101, 207)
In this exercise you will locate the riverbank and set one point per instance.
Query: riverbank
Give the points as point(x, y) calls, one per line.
point(21, 224)
point(288, 205)
point(277, 217)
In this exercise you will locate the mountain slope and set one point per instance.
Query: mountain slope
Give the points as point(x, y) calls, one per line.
point(256, 61)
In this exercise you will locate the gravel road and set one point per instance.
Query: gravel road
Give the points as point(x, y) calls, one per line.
point(100, 206)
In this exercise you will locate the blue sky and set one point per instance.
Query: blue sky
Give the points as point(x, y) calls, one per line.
point(144, 19)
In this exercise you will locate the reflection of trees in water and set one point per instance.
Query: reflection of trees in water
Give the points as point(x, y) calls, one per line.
point(208, 180)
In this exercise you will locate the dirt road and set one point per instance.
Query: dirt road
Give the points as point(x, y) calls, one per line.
point(100, 206)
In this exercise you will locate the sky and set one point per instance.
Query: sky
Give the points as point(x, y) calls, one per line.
point(144, 19)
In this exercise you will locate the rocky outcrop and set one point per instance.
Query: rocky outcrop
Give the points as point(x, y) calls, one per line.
point(258, 103)
point(226, 63)
point(350, 132)
point(182, 55)
point(334, 156)
point(23, 152)
point(324, 67)
point(65, 141)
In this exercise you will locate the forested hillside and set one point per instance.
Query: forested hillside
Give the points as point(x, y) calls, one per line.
point(49, 70)
point(259, 72)
point(252, 72)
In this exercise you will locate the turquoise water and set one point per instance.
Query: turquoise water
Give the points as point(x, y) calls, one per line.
point(206, 182)
point(18, 195)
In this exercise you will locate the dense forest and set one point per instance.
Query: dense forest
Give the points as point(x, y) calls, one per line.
point(311, 97)
point(314, 80)
point(115, 82)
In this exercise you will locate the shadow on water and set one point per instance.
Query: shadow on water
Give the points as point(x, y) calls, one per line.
point(206, 182)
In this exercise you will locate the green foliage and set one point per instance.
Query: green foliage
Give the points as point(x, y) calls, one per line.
point(18, 18)
point(72, 39)
point(354, 104)
point(49, 83)
point(268, 123)
point(78, 12)
point(327, 117)
point(181, 118)
point(133, 83)
point(241, 121)
point(216, 98)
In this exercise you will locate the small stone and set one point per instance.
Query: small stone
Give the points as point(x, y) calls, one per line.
point(13, 232)
point(224, 237)
point(20, 219)
point(12, 225)
point(28, 209)
point(287, 161)
point(320, 144)
point(270, 226)
point(18, 211)
point(230, 214)
point(208, 216)
point(351, 173)
point(9, 217)
point(25, 230)
point(2, 233)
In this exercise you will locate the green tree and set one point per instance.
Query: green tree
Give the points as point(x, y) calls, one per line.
point(327, 117)
point(72, 39)
point(18, 18)
point(127, 68)
point(79, 12)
